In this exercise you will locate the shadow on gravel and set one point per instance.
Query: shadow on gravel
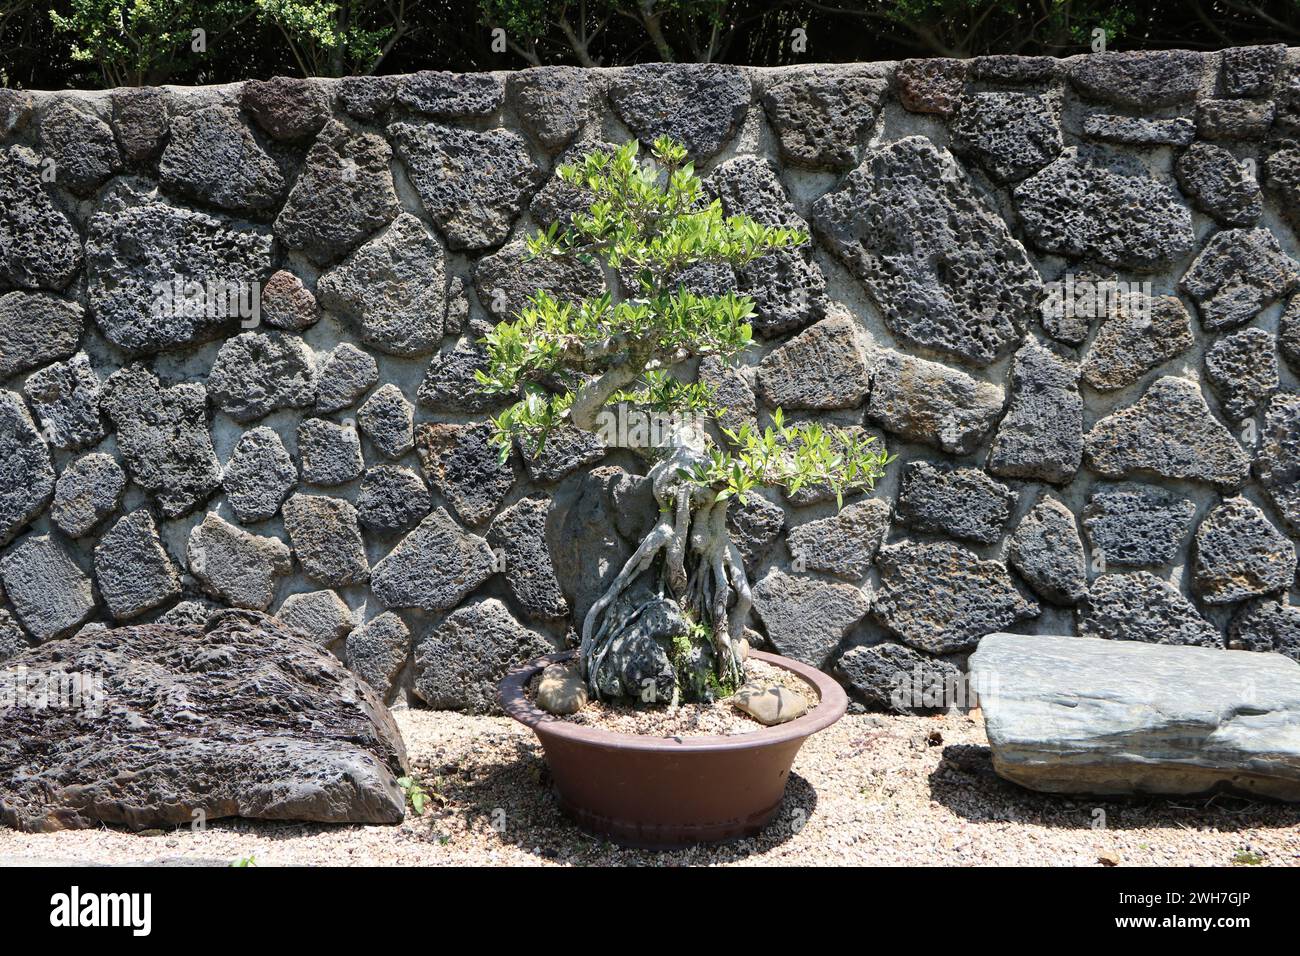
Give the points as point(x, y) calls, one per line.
point(513, 797)
point(966, 784)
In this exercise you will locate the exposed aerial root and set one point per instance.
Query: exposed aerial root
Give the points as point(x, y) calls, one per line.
point(702, 570)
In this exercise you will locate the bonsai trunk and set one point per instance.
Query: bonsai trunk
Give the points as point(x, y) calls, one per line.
point(689, 558)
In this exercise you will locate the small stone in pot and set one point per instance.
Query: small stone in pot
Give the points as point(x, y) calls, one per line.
point(770, 705)
point(561, 691)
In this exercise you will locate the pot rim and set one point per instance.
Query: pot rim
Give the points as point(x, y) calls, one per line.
point(830, 707)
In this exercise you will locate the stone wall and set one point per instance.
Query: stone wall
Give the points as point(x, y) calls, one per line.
point(1130, 471)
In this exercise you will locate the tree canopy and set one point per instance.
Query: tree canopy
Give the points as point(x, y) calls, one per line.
point(63, 43)
point(653, 221)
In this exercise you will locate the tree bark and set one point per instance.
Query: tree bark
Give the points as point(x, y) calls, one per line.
point(693, 559)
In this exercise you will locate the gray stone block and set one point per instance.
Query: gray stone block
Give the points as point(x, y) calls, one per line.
point(1072, 715)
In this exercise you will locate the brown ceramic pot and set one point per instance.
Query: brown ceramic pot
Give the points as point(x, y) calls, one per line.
point(663, 792)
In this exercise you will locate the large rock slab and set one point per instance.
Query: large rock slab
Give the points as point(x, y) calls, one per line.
point(1096, 204)
point(1234, 119)
point(931, 84)
point(1170, 432)
point(939, 262)
point(287, 107)
point(240, 717)
point(942, 598)
point(1249, 70)
point(140, 121)
point(1072, 715)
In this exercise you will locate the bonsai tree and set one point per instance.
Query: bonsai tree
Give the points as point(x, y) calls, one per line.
point(684, 588)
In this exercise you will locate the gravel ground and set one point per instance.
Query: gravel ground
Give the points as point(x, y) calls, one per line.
point(869, 790)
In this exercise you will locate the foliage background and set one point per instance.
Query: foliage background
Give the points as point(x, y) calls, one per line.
point(83, 43)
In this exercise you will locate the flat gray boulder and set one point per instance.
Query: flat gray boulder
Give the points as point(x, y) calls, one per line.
point(240, 717)
point(1078, 715)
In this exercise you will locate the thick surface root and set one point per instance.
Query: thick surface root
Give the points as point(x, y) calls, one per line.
point(694, 561)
